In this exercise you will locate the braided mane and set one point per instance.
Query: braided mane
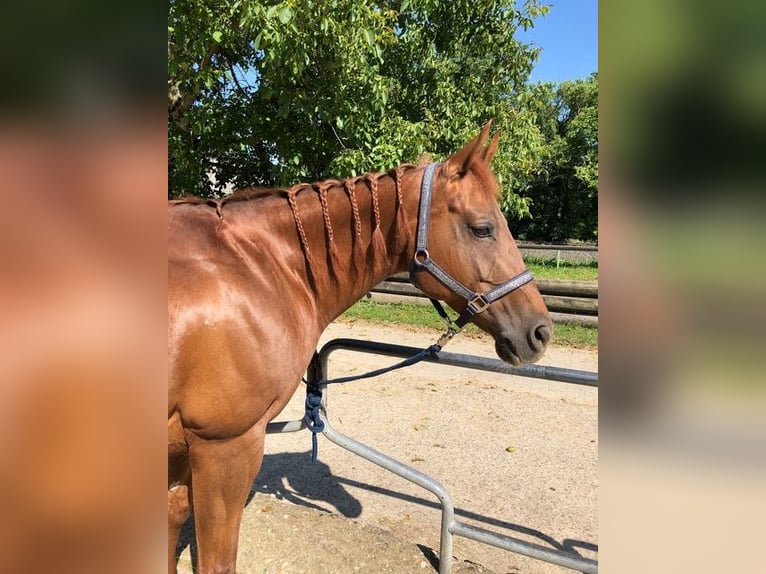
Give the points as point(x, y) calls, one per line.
point(321, 189)
point(349, 186)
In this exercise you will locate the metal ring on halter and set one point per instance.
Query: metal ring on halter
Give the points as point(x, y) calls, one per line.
point(426, 256)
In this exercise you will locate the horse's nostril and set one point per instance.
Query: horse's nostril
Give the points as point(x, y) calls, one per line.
point(541, 336)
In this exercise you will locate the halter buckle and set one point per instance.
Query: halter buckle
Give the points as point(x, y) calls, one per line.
point(478, 304)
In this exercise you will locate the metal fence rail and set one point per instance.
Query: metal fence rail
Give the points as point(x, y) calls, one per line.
point(460, 360)
point(450, 527)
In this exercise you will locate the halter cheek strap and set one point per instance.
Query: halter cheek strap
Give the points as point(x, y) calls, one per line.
point(477, 302)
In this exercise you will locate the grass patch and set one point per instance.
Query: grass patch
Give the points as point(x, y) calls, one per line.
point(577, 336)
point(547, 269)
point(565, 335)
point(397, 313)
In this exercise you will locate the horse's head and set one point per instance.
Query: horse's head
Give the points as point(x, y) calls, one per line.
point(468, 238)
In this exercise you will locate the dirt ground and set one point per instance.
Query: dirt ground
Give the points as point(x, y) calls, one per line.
point(518, 456)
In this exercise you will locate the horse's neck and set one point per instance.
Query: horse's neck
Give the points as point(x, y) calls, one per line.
point(362, 260)
point(326, 245)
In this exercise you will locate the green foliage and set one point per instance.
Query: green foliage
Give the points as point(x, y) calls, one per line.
point(563, 187)
point(274, 93)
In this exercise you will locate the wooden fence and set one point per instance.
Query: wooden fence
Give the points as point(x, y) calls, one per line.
point(567, 301)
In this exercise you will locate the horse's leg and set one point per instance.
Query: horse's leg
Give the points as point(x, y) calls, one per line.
point(179, 503)
point(178, 514)
point(222, 473)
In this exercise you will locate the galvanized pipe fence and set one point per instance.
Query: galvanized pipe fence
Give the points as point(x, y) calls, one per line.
point(450, 527)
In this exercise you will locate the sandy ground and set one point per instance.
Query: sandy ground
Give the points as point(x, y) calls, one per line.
point(518, 456)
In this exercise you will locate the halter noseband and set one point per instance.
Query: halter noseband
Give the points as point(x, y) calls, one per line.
point(421, 261)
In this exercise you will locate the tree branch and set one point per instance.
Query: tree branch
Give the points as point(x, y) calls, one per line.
point(178, 102)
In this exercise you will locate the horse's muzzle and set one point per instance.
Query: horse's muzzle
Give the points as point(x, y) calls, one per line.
point(527, 348)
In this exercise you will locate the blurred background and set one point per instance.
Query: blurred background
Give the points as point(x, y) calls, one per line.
point(83, 183)
point(681, 220)
point(84, 128)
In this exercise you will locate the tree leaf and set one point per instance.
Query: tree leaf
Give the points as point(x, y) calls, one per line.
point(446, 72)
point(285, 14)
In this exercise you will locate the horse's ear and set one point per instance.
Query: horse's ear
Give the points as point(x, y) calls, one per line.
point(489, 151)
point(458, 164)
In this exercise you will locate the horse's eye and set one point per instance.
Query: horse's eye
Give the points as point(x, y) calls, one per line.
point(481, 231)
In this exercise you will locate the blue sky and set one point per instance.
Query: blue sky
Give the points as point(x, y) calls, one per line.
point(568, 36)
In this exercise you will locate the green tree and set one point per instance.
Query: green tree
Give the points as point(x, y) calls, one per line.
point(563, 187)
point(274, 93)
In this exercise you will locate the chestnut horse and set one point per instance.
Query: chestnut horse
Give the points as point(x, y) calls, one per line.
point(254, 279)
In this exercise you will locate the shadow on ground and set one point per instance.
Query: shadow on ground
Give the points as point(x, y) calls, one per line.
point(294, 478)
point(291, 477)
